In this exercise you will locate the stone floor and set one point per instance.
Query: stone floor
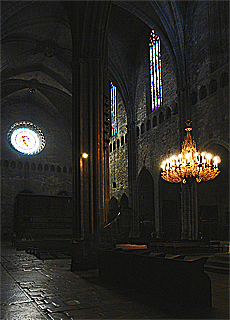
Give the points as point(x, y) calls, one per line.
point(33, 289)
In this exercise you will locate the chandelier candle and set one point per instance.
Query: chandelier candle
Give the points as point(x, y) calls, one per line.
point(188, 164)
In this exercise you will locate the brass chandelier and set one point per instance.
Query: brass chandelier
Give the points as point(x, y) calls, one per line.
point(189, 163)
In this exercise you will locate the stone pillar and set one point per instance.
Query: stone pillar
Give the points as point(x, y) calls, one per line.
point(91, 175)
point(156, 204)
point(189, 212)
point(88, 21)
point(196, 212)
point(132, 177)
point(184, 212)
point(190, 207)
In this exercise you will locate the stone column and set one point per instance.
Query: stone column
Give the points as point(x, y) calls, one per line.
point(132, 177)
point(189, 191)
point(156, 204)
point(184, 212)
point(196, 212)
point(88, 21)
point(189, 211)
point(91, 175)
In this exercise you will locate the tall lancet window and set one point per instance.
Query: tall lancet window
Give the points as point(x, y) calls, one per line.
point(155, 70)
point(113, 95)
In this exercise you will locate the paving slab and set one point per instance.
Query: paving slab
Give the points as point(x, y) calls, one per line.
point(22, 311)
point(35, 290)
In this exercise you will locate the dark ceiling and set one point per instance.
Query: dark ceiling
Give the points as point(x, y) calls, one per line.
point(36, 44)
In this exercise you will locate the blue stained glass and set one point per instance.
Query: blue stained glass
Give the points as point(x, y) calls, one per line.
point(155, 71)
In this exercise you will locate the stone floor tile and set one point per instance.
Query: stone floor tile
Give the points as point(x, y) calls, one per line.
point(110, 305)
point(38, 301)
point(50, 295)
point(27, 285)
point(93, 313)
point(52, 309)
point(72, 302)
point(13, 294)
point(114, 314)
point(52, 291)
point(22, 311)
point(21, 276)
point(58, 316)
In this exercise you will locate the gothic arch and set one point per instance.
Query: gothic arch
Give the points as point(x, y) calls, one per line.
point(125, 216)
point(124, 202)
point(211, 142)
point(169, 207)
point(113, 208)
point(145, 199)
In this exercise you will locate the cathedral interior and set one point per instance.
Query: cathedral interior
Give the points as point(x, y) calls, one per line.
point(95, 95)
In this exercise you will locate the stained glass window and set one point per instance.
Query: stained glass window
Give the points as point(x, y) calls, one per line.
point(113, 94)
point(155, 70)
point(26, 138)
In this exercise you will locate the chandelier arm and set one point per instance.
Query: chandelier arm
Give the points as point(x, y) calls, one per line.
point(190, 164)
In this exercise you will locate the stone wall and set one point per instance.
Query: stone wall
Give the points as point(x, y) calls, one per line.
point(158, 132)
point(46, 173)
point(151, 137)
point(118, 159)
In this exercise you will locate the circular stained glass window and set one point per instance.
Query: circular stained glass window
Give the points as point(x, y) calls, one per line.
point(26, 138)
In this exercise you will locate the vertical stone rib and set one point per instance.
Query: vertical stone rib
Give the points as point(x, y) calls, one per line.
point(91, 175)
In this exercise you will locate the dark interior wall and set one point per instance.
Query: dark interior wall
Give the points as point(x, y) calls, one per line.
point(48, 172)
point(36, 44)
point(208, 76)
point(208, 63)
point(206, 73)
point(36, 81)
point(213, 199)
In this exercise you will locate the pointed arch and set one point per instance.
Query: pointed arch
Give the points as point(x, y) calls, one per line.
point(113, 208)
point(169, 207)
point(145, 199)
point(125, 225)
point(124, 202)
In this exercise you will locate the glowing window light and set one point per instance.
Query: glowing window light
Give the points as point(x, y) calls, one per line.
point(26, 138)
point(155, 71)
point(113, 95)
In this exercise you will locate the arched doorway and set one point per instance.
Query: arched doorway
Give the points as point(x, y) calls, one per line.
point(145, 191)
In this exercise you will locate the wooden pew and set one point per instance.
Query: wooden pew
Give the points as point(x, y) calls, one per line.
point(169, 283)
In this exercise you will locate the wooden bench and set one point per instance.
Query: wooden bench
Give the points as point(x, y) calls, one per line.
point(215, 244)
point(169, 283)
point(190, 246)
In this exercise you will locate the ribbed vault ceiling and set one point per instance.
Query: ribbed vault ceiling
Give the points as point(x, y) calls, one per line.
point(36, 43)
